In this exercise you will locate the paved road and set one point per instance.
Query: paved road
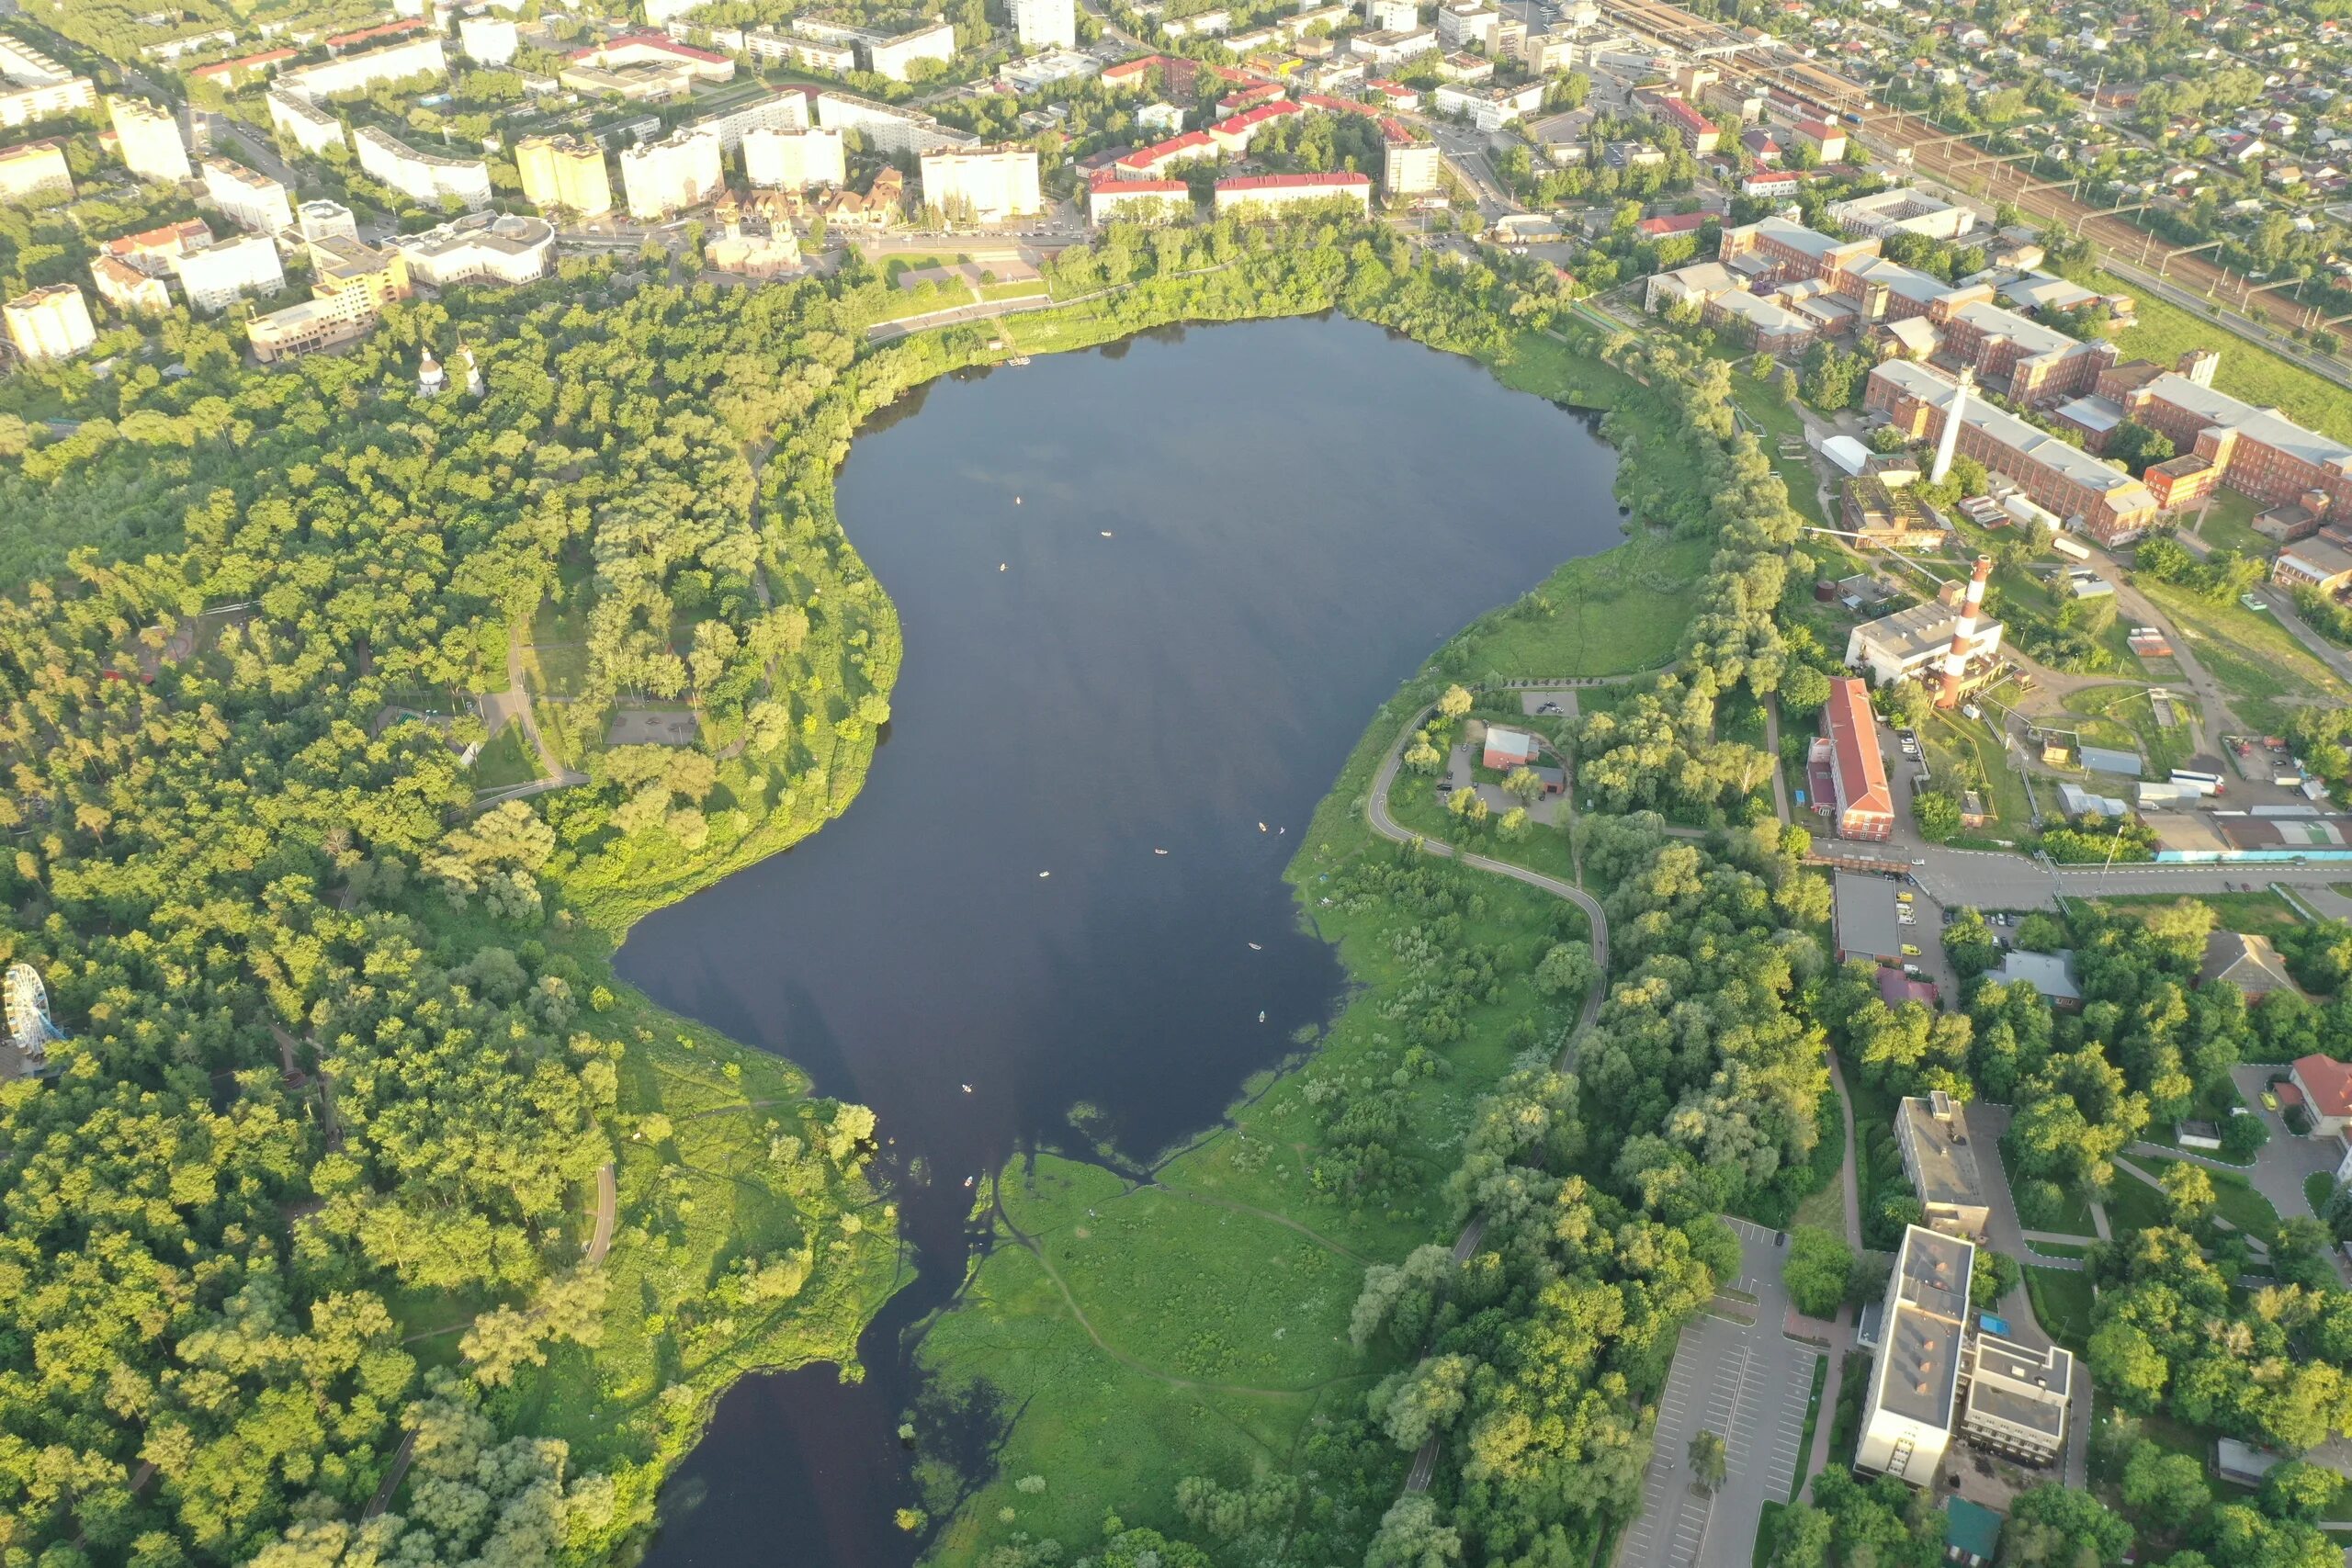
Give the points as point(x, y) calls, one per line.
point(2282, 1164)
point(1995, 879)
point(1747, 1383)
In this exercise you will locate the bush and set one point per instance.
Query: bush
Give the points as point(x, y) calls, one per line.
point(2242, 1136)
point(2039, 1202)
point(1817, 1272)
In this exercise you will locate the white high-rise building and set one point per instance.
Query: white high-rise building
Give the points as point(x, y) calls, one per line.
point(325, 219)
point(888, 129)
point(491, 40)
point(33, 87)
point(302, 123)
point(787, 110)
point(253, 200)
point(983, 185)
point(148, 139)
point(50, 324)
point(1045, 24)
point(219, 275)
point(681, 170)
point(793, 160)
point(420, 176)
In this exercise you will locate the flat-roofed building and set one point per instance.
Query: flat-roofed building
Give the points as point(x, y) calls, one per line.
point(1908, 1414)
point(2016, 1398)
point(421, 177)
point(1865, 925)
point(1409, 162)
point(219, 275)
point(1257, 192)
point(2319, 562)
point(35, 169)
point(681, 171)
point(1787, 251)
point(128, 289)
point(326, 322)
point(1902, 211)
point(2029, 364)
point(794, 160)
point(1490, 108)
point(420, 55)
point(1045, 24)
point(564, 174)
point(254, 200)
point(51, 323)
point(888, 55)
point(35, 87)
point(489, 39)
point(983, 185)
point(1466, 24)
point(2258, 452)
point(787, 110)
point(657, 51)
point(148, 141)
point(888, 129)
point(2064, 479)
point(325, 219)
point(480, 248)
point(1913, 644)
point(771, 47)
point(303, 123)
point(153, 251)
point(1940, 1160)
point(1846, 760)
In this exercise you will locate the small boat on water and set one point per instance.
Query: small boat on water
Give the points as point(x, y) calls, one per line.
point(1255, 948)
point(1018, 359)
point(1160, 852)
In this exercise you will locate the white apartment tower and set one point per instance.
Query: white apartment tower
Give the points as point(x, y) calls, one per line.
point(254, 200)
point(983, 185)
point(218, 276)
point(793, 160)
point(148, 140)
point(663, 177)
point(50, 324)
point(1045, 24)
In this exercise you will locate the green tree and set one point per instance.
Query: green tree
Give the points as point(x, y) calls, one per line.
point(1816, 1270)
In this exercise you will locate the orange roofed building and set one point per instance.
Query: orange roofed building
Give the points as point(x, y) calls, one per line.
point(1847, 774)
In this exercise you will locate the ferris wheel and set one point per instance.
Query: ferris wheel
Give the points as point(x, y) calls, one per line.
point(30, 1026)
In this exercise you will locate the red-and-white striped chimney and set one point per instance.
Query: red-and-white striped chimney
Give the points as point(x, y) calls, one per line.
point(1963, 633)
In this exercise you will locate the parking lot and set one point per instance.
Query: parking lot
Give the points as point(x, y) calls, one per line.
point(1749, 1384)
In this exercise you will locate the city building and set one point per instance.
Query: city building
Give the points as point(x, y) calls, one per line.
point(1723, 300)
point(1932, 1133)
point(1915, 644)
point(1393, 46)
point(325, 219)
point(52, 322)
point(218, 276)
point(2014, 1399)
point(983, 185)
point(1697, 133)
point(1045, 24)
point(253, 200)
point(1034, 72)
point(888, 55)
point(892, 132)
point(1864, 920)
point(1253, 191)
point(657, 52)
point(787, 110)
point(1827, 142)
point(2064, 479)
point(794, 160)
point(2029, 364)
point(2221, 440)
point(1902, 212)
point(148, 140)
point(153, 251)
point(35, 169)
point(564, 174)
point(754, 255)
point(2320, 1087)
point(681, 170)
point(303, 123)
point(1409, 163)
point(128, 289)
point(772, 48)
point(421, 177)
point(2050, 974)
point(1490, 108)
point(1847, 773)
point(1234, 133)
point(2321, 562)
point(1908, 1414)
point(420, 55)
point(351, 280)
point(1111, 198)
point(487, 40)
point(35, 87)
point(1155, 161)
point(2249, 963)
point(481, 247)
point(1469, 23)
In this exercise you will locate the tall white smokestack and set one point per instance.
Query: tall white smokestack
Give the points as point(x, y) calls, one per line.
point(1948, 442)
point(1963, 633)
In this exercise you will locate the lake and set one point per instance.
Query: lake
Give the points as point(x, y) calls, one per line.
point(1152, 593)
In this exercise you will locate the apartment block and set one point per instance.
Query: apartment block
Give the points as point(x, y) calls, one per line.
point(1252, 192)
point(1907, 1415)
point(681, 170)
point(894, 58)
point(253, 200)
point(564, 174)
point(303, 123)
point(147, 139)
point(128, 289)
point(893, 131)
point(794, 160)
point(219, 275)
point(1490, 108)
point(771, 47)
point(983, 185)
point(421, 177)
point(35, 169)
point(787, 110)
point(49, 323)
point(487, 40)
point(421, 55)
point(1409, 162)
point(1111, 199)
point(35, 87)
point(1045, 24)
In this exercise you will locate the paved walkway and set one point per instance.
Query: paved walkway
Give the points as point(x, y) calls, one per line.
point(1842, 1339)
point(2005, 1234)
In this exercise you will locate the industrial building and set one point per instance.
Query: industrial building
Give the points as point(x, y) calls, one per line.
point(1920, 643)
point(564, 174)
point(1846, 773)
point(51, 323)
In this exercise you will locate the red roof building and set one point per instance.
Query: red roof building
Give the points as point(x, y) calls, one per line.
point(1243, 98)
point(1670, 224)
point(2323, 1087)
point(1342, 179)
point(1234, 134)
point(1333, 106)
point(221, 70)
point(612, 51)
point(1847, 761)
point(1269, 190)
point(1150, 163)
point(368, 35)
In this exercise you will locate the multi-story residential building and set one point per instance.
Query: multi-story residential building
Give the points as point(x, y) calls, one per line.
point(1258, 191)
point(1466, 24)
point(220, 274)
point(1490, 108)
point(231, 75)
point(1233, 134)
point(1940, 1160)
point(1045, 24)
point(892, 132)
point(50, 324)
point(1409, 162)
point(153, 251)
point(35, 169)
point(2066, 481)
point(1392, 15)
point(128, 289)
point(564, 174)
point(1902, 212)
point(1154, 161)
point(772, 48)
point(303, 123)
point(893, 58)
point(480, 248)
point(787, 110)
point(1915, 1382)
point(1109, 199)
point(1848, 775)
point(148, 140)
point(419, 56)
point(254, 200)
point(325, 219)
point(421, 177)
point(794, 160)
point(486, 39)
point(351, 282)
point(681, 170)
point(35, 87)
point(2013, 1398)
point(983, 185)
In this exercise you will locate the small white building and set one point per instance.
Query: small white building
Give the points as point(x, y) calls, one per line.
point(220, 274)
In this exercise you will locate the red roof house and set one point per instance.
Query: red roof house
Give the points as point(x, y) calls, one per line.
point(1859, 802)
point(2322, 1086)
point(1671, 223)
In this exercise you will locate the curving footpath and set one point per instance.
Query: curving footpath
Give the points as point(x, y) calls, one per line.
point(1375, 815)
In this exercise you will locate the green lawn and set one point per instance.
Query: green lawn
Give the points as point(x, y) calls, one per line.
point(2134, 1205)
point(1768, 1520)
point(2256, 914)
point(1949, 737)
point(2062, 1300)
point(2319, 1190)
point(2163, 332)
point(1611, 614)
point(506, 759)
point(2250, 654)
point(2228, 523)
point(2235, 1198)
point(2123, 716)
point(1812, 1420)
